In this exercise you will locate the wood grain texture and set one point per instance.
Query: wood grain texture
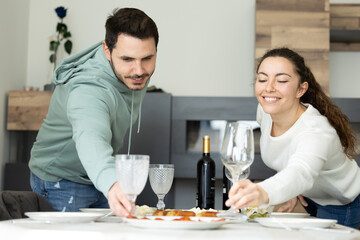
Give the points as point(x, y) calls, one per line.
point(27, 110)
point(302, 25)
point(345, 46)
point(345, 17)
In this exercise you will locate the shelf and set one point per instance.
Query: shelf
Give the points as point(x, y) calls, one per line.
point(27, 110)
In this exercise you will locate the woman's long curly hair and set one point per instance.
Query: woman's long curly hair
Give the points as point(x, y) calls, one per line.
point(318, 99)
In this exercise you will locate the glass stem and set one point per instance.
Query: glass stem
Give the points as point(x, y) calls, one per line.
point(160, 205)
point(132, 198)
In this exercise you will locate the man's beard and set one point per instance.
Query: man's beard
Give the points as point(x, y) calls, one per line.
point(118, 76)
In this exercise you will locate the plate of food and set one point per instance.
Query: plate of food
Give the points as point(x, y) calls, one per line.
point(176, 222)
point(64, 217)
point(289, 215)
point(194, 212)
point(295, 223)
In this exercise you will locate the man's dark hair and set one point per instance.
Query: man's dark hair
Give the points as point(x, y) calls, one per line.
point(130, 21)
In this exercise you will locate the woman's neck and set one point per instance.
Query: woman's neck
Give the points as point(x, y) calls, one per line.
point(282, 123)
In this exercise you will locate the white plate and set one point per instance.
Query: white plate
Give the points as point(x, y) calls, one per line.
point(111, 219)
point(289, 215)
point(64, 217)
point(96, 210)
point(168, 223)
point(296, 223)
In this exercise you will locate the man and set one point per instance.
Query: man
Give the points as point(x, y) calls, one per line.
point(97, 98)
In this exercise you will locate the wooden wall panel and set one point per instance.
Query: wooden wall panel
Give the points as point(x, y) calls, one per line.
point(302, 25)
point(27, 110)
point(344, 17)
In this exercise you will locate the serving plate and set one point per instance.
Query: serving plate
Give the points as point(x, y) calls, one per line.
point(159, 222)
point(295, 223)
point(64, 217)
point(289, 215)
point(96, 210)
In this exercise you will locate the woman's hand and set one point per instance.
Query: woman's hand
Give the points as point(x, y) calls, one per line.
point(118, 202)
point(245, 194)
point(290, 205)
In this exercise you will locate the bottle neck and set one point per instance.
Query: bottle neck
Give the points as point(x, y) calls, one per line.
point(206, 146)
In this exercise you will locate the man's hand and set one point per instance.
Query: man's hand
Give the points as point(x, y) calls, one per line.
point(246, 194)
point(118, 202)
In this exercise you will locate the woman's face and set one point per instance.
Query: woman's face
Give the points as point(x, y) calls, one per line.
point(277, 86)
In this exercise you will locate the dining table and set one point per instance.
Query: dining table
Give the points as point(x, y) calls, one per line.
point(120, 229)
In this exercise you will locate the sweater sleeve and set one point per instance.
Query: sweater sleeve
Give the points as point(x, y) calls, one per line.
point(310, 151)
point(89, 112)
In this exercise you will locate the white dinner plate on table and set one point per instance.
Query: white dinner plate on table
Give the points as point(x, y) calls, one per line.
point(96, 210)
point(169, 223)
point(289, 215)
point(295, 223)
point(64, 217)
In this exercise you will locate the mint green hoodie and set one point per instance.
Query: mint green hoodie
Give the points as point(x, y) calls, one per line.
point(89, 114)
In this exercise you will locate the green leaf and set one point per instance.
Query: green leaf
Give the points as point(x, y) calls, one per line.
point(54, 45)
point(52, 58)
point(61, 28)
point(68, 46)
point(67, 35)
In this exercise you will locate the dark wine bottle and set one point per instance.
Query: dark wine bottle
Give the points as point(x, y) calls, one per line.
point(226, 187)
point(205, 197)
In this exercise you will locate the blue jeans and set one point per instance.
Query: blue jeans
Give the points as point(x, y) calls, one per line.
point(348, 215)
point(67, 196)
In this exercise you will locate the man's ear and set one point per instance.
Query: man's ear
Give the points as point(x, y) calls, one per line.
point(302, 89)
point(106, 51)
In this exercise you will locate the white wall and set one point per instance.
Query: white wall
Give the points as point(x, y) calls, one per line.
point(13, 60)
point(206, 46)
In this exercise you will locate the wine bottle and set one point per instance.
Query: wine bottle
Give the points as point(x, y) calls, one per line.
point(226, 187)
point(205, 197)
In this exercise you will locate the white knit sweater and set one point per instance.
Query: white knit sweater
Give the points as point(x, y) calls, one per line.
point(309, 160)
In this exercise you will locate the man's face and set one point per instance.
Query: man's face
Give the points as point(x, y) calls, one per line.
point(132, 60)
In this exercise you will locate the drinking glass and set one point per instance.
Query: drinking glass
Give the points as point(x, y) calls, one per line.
point(132, 172)
point(161, 177)
point(244, 175)
point(237, 154)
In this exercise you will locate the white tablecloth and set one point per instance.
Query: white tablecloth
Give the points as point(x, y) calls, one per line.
point(30, 229)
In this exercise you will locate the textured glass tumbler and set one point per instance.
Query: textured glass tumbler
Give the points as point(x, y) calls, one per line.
point(132, 172)
point(161, 177)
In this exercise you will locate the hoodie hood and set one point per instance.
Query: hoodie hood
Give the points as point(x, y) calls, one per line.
point(90, 66)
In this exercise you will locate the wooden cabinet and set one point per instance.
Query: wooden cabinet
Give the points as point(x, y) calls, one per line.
point(27, 110)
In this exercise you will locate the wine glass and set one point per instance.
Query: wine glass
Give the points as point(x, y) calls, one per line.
point(244, 175)
point(161, 177)
point(132, 172)
point(237, 154)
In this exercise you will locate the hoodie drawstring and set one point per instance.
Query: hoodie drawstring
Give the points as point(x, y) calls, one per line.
point(131, 119)
point(139, 119)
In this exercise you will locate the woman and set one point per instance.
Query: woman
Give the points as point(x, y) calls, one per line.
point(307, 139)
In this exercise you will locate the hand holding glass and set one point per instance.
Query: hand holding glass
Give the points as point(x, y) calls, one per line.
point(132, 172)
point(161, 177)
point(237, 153)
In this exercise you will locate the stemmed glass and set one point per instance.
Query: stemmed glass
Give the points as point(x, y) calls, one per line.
point(244, 174)
point(161, 177)
point(132, 172)
point(237, 154)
